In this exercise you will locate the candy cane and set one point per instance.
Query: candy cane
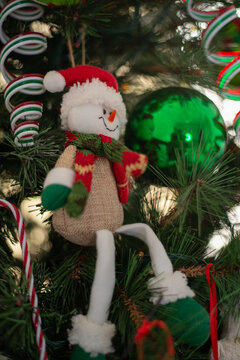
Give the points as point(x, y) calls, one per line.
point(231, 59)
point(23, 117)
point(37, 322)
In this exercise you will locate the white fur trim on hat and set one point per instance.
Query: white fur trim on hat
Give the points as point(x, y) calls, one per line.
point(54, 82)
point(94, 92)
point(92, 337)
point(170, 287)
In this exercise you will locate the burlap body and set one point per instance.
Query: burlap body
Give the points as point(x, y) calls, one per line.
point(103, 209)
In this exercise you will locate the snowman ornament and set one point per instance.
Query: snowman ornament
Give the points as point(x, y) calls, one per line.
point(86, 190)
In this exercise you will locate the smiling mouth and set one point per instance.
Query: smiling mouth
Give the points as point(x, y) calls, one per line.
point(101, 117)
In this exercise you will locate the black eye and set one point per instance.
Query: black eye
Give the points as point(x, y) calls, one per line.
point(104, 111)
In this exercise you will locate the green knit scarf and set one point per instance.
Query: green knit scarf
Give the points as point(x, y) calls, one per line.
point(89, 147)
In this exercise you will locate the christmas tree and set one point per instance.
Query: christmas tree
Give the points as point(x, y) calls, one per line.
point(167, 292)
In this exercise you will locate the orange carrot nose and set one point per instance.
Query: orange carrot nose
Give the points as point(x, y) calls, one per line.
point(112, 116)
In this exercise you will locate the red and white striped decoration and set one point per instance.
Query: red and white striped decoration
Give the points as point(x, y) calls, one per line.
point(37, 322)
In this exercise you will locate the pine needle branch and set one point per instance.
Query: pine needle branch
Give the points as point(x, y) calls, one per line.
point(206, 192)
point(29, 165)
point(136, 313)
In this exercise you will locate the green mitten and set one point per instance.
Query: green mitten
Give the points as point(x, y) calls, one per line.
point(55, 196)
point(77, 200)
point(79, 354)
point(188, 321)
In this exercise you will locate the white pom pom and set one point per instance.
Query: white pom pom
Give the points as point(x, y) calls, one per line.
point(92, 337)
point(54, 81)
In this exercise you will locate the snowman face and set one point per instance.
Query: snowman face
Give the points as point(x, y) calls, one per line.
point(94, 119)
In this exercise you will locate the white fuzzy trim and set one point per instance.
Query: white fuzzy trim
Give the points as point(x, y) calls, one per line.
point(60, 176)
point(170, 287)
point(228, 349)
point(92, 337)
point(54, 81)
point(94, 92)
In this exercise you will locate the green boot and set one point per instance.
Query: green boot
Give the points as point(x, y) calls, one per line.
point(188, 321)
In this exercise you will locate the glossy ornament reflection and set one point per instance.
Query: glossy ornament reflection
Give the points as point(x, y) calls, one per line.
point(176, 118)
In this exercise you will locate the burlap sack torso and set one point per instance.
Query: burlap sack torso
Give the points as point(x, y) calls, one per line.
point(103, 209)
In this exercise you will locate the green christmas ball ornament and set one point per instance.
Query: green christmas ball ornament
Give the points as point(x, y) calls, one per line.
point(176, 118)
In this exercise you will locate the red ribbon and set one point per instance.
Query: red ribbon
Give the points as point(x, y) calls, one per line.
point(213, 312)
point(145, 329)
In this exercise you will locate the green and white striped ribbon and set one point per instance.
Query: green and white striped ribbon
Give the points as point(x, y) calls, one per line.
point(236, 124)
point(226, 75)
point(29, 111)
point(24, 133)
point(29, 84)
point(33, 12)
point(222, 19)
point(231, 59)
point(24, 117)
point(12, 8)
point(28, 43)
point(200, 15)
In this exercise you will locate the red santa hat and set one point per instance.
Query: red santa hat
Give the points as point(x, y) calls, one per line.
point(88, 84)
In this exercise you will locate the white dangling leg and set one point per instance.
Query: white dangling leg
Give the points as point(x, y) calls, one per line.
point(159, 258)
point(168, 285)
point(93, 332)
point(104, 278)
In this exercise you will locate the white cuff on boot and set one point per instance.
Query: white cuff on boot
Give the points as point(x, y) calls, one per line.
point(170, 287)
point(92, 337)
